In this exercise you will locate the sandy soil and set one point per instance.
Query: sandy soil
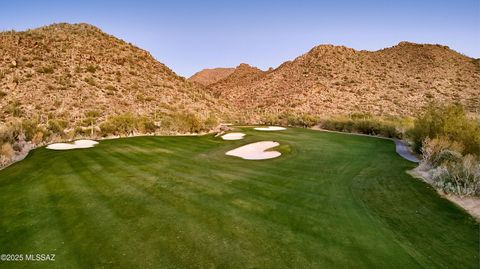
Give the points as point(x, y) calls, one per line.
point(79, 144)
point(270, 128)
point(233, 136)
point(470, 204)
point(256, 151)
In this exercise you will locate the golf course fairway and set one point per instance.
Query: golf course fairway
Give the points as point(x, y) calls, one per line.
point(329, 201)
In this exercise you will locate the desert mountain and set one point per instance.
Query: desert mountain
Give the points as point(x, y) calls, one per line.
point(338, 80)
point(242, 75)
point(66, 70)
point(209, 76)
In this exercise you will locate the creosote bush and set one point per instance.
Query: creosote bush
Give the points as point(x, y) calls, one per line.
point(126, 124)
point(57, 126)
point(290, 119)
point(188, 122)
point(6, 153)
point(447, 121)
point(451, 171)
point(450, 144)
point(364, 124)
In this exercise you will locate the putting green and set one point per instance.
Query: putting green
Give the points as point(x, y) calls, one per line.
point(330, 201)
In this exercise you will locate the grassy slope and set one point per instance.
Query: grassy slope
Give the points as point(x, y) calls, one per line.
point(331, 201)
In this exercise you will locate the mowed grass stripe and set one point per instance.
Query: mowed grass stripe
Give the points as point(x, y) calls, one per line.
point(179, 202)
point(143, 171)
point(290, 225)
point(421, 214)
point(171, 199)
point(138, 201)
point(191, 205)
point(90, 215)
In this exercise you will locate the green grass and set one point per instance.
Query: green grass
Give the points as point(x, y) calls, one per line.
point(330, 201)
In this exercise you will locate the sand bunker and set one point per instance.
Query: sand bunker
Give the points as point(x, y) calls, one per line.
point(256, 151)
point(79, 144)
point(233, 136)
point(270, 128)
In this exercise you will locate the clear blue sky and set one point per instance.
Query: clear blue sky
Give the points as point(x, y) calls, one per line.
point(191, 35)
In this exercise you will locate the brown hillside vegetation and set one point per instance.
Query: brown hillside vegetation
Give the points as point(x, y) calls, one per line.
point(243, 75)
point(65, 71)
point(209, 76)
point(331, 80)
point(73, 73)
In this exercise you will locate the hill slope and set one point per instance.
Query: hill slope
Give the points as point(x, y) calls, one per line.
point(337, 80)
point(209, 76)
point(64, 71)
point(242, 76)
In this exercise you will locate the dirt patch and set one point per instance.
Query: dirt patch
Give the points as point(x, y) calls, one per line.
point(470, 204)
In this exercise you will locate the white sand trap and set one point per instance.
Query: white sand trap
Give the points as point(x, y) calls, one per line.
point(233, 136)
point(256, 151)
point(270, 128)
point(79, 144)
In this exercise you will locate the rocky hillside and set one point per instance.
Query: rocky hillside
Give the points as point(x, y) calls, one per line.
point(65, 71)
point(210, 76)
point(338, 80)
point(71, 72)
point(243, 75)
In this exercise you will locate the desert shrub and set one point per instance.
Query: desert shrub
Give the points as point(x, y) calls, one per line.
point(188, 122)
point(341, 125)
point(360, 116)
point(270, 119)
point(6, 153)
point(45, 70)
point(110, 88)
point(89, 121)
point(38, 137)
point(290, 119)
point(92, 113)
point(125, 124)
point(91, 68)
point(57, 126)
point(451, 171)
point(362, 124)
point(211, 122)
point(90, 81)
point(29, 128)
point(10, 132)
point(82, 132)
point(118, 125)
point(145, 125)
point(450, 122)
point(14, 109)
point(302, 120)
point(7, 150)
point(460, 176)
point(435, 151)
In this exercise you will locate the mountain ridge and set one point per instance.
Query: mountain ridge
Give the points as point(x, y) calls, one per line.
point(75, 68)
point(331, 80)
point(209, 76)
point(66, 70)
